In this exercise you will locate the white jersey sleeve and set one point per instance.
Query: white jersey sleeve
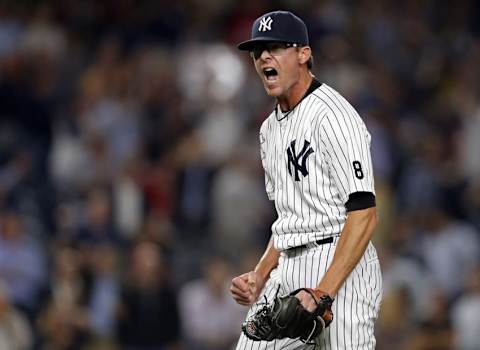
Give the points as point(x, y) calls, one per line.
point(269, 184)
point(346, 146)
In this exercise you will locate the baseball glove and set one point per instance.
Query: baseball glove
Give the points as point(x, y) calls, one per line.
point(287, 318)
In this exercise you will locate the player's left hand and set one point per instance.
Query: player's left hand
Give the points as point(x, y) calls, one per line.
point(307, 300)
point(311, 298)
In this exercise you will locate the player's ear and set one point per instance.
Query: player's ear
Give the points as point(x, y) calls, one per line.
point(304, 54)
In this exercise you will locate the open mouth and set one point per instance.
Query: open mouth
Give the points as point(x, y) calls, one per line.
point(270, 73)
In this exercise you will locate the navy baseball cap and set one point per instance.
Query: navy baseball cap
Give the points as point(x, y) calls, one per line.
point(281, 26)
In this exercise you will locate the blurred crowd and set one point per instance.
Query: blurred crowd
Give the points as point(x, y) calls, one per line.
point(131, 189)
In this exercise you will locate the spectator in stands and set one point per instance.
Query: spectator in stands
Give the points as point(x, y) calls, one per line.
point(148, 316)
point(205, 296)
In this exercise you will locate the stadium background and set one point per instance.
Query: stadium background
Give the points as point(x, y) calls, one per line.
point(130, 180)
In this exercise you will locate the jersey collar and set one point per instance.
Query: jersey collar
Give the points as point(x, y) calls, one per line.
point(315, 84)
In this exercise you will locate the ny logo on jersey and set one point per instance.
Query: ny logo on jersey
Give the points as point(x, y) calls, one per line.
point(265, 24)
point(298, 161)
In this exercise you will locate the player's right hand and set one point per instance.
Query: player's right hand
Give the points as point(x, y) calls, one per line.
point(246, 288)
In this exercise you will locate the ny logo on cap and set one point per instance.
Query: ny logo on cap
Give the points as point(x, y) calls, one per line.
point(265, 24)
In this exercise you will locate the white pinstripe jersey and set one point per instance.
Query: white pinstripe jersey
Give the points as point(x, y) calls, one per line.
point(314, 157)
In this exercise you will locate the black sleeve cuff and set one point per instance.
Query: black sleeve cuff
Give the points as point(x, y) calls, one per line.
point(360, 200)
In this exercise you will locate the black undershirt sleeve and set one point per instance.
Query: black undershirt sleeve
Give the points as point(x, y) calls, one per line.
point(360, 200)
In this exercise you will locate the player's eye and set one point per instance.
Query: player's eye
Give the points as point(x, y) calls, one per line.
point(256, 52)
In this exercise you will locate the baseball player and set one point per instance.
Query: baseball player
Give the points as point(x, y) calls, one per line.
point(315, 151)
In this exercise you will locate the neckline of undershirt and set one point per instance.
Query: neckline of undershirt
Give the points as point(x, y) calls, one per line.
point(315, 84)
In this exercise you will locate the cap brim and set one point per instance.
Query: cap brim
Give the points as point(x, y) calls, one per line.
point(249, 44)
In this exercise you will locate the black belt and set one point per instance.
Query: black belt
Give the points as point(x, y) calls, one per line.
point(312, 244)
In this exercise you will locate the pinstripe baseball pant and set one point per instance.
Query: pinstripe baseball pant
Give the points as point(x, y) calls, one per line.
point(356, 304)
